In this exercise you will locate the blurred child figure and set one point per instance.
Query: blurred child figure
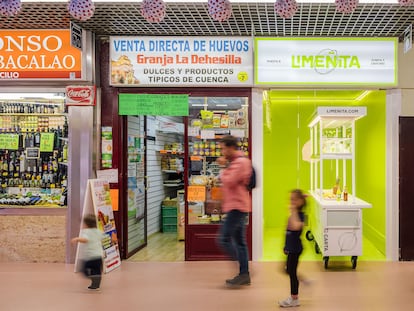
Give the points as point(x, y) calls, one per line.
point(91, 251)
point(293, 245)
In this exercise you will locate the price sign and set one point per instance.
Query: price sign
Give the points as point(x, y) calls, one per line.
point(208, 134)
point(216, 193)
point(32, 153)
point(196, 193)
point(47, 142)
point(2, 141)
point(9, 141)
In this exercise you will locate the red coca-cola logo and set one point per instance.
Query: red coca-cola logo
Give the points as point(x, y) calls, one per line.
point(80, 95)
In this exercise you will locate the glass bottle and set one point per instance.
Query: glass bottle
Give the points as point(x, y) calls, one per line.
point(345, 194)
point(65, 152)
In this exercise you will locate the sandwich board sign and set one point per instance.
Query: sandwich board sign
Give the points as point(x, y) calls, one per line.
point(98, 202)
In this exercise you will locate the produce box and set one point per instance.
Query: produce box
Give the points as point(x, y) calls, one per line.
point(170, 202)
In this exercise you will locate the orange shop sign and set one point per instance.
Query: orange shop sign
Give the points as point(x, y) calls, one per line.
point(38, 54)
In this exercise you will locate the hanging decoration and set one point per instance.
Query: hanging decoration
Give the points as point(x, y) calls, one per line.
point(81, 9)
point(219, 10)
point(346, 6)
point(153, 10)
point(10, 7)
point(406, 2)
point(286, 8)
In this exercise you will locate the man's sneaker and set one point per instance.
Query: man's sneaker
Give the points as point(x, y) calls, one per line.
point(289, 302)
point(93, 288)
point(241, 279)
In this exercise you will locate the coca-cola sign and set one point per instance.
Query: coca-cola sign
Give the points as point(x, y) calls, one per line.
point(80, 95)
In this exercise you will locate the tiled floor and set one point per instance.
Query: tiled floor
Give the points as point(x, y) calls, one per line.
point(161, 247)
point(166, 247)
point(199, 286)
point(273, 240)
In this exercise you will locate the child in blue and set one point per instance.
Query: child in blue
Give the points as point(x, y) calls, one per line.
point(293, 245)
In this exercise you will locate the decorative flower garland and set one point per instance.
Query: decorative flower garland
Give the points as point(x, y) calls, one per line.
point(81, 9)
point(406, 2)
point(286, 8)
point(219, 10)
point(153, 10)
point(346, 6)
point(10, 7)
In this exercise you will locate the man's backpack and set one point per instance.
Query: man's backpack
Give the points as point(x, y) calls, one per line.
point(252, 181)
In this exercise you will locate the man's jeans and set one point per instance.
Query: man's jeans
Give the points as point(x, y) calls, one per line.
point(233, 238)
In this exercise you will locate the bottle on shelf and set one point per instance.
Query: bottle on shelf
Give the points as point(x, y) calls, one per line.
point(65, 130)
point(37, 138)
point(65, 152)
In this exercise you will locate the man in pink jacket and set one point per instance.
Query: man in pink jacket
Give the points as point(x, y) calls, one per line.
point(236, 204)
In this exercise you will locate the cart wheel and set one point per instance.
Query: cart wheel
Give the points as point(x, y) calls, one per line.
point(326, 260)
point(354, 261)
point(309, 236)
point(317, 249)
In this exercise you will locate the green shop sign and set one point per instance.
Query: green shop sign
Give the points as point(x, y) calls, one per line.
point(153, 104)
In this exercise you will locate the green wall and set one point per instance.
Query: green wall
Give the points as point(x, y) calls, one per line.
point(287, 115)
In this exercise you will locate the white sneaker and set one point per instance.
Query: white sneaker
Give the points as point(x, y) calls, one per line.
point(289, 302)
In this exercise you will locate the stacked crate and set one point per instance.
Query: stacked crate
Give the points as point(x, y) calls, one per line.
point(169, 215)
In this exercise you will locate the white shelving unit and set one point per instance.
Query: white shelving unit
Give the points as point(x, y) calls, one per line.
point(335, 224)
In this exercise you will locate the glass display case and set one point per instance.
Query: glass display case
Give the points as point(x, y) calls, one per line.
point(33, 152)
point(210, 119)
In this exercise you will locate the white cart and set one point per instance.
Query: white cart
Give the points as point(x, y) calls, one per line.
point(336, 218)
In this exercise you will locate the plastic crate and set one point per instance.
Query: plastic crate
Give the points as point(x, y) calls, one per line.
point(169, 211)
point(169, 228)
point(167, 220)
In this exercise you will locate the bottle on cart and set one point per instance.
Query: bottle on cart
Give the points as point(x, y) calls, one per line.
point(345, 194)
point(336, 188)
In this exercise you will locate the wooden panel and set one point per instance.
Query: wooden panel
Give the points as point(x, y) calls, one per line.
point(201, 243)
point(406, 187)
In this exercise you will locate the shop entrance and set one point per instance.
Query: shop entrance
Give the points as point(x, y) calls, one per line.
point(170, 185)
point(170, 178)
point(286, 136)
point(155, 187)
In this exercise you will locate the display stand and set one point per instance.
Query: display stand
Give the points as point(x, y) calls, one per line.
point(336, 219)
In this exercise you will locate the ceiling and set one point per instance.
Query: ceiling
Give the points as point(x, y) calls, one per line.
point(248, 19)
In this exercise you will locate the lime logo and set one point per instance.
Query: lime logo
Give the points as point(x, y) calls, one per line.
point(242, 76)
point(325, 61)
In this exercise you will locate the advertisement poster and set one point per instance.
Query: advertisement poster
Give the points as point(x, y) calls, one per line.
point(38, 54)
point(106, 139)
point(101, 199)
point(181, 61)
point(326, 61)
point(136, 198)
